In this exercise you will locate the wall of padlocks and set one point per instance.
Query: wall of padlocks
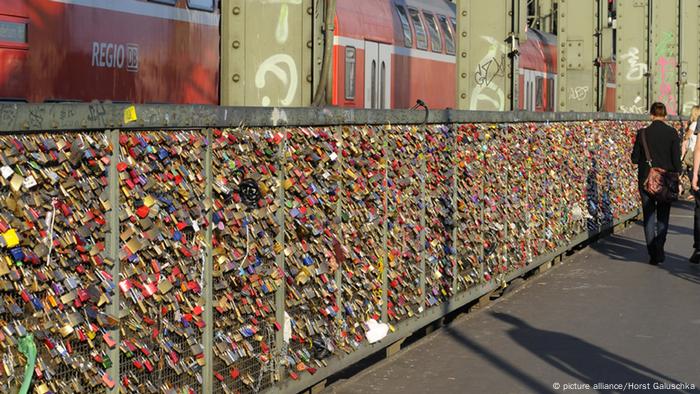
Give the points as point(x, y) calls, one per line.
point(110, 240)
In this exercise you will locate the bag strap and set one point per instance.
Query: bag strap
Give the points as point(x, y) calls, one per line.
point(642, 134)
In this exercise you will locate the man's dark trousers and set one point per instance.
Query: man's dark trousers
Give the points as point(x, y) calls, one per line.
point(656, 216)
point(696, 227)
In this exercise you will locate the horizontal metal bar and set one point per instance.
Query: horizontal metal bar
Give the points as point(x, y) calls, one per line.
point(406, 328)
point(76, 116)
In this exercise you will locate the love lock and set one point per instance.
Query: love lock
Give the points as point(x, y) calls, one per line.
point(321, 348)
point(249, 192)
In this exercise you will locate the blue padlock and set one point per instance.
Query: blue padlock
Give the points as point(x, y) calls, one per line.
point(308, 260)
point(17, 254)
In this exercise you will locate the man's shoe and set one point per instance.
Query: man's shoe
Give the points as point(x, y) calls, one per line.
point(695, 258)
point(653, 261)
point(660, 256)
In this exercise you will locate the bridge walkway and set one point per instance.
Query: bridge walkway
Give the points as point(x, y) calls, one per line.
point(605, 317)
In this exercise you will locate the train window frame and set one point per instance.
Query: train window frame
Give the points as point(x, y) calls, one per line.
point(373, 85)
point(446, 27)
point(350, 77)
point(419, 45)
point(429, 16)
point(209, 8)
point(550, 94)
point(166, 2)
point(405, 26)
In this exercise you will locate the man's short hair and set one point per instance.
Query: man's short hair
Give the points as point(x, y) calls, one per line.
point(658, 109)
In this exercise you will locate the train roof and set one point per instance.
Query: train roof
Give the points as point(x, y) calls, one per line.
point(376, 20)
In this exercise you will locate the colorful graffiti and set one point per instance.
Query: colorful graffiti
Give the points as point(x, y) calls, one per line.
point(667, 61)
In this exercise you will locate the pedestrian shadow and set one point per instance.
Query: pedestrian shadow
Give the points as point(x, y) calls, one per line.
point(684, 204)
point(617, 247)
point(573, 356)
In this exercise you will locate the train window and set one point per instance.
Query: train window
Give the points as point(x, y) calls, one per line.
point(539, 92)
point(13, 32)
point(205, 5)
point(435, 39)
point(421, 38)
point(373, 85)
point(550, 94)
point(449, 38)
point(382, 85)
point(453, 21)
point(407, 35)
point(349, 73)
point(528, 96)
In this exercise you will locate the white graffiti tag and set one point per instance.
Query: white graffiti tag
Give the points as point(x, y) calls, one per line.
point(636, 69)
point(578, 93)
point(281, 65)
point(289, 79)
point(486, 90)
point(282, 30)
point(634, 108)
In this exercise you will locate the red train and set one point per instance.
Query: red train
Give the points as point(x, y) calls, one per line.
point(386, 54)
point(119, 50)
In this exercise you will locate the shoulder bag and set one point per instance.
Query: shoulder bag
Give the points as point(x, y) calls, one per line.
point(689, 148)
point(660, 184)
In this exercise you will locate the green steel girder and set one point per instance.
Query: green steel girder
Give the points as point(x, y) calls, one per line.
point(578, 38)
point(487, 61)
point(267, 52)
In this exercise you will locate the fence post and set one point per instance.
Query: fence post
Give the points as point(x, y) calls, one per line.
point(528, 216)
point(424, 171)
point(280, 239)
point(482, 197)
point(385, 238)
point(455, 209)
point(338, 166)
point(208, 274)
point(507, 261)
point(112, 242)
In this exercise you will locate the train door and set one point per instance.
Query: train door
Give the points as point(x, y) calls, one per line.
point(377, 75)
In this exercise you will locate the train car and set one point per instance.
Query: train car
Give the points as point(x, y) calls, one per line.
point(386, 54)
point(538, 72)
point(118, 50)
point(609, 76)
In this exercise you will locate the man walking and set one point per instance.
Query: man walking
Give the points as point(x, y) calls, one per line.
point(665, 151)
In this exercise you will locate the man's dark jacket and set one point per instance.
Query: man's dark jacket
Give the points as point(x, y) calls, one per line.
point(665, 148)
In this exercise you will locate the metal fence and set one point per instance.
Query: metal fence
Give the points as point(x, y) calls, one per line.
point(175, 248)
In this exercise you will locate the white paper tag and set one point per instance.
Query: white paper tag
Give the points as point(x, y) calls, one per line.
point(333, 156)
point(6, 171)
point(195, 226)
point(376, 331)
point(287, 328)
point(29, 182)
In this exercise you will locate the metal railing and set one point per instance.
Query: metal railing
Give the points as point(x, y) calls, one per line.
point(238, 249)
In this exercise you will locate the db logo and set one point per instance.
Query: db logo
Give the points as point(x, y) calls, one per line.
point(113, 55)
point(132, 57)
